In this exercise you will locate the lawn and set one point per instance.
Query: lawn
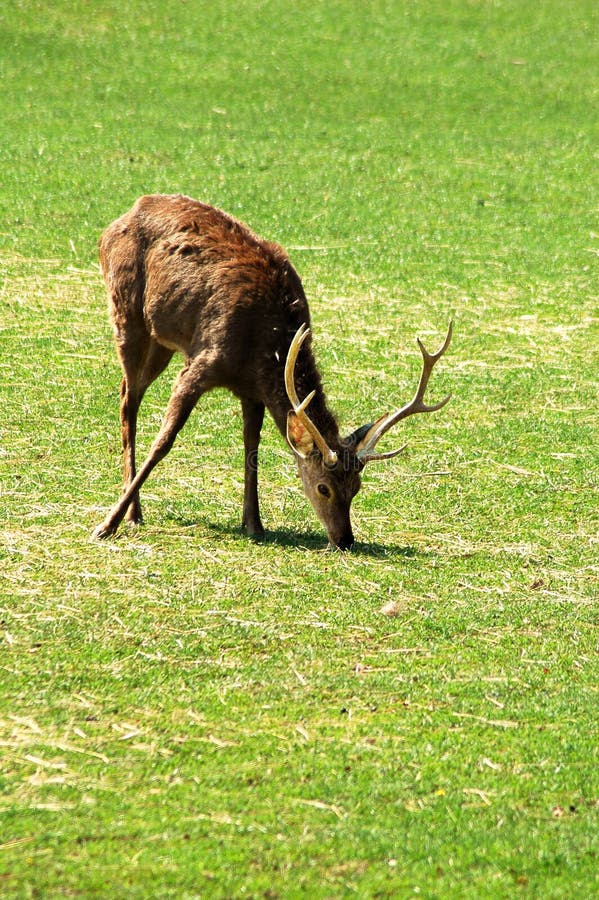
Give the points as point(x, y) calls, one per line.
point(188, 713)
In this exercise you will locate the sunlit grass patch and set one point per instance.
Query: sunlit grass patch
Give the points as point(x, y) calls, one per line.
point(187, 712)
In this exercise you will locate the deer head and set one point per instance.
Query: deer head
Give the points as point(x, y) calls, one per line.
point(331, 475)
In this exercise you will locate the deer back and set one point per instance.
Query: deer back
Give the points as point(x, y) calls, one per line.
point(200, 281)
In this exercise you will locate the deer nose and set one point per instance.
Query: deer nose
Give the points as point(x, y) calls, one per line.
point(345, 542)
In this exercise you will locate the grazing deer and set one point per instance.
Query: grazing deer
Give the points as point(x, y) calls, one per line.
point(184, 276)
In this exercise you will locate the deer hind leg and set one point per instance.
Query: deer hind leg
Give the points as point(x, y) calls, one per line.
point(253, 416)
point(140, 369)
point(189, 386)
point(130, 401)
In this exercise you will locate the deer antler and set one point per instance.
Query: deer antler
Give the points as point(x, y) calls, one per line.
point(299, 408)
point(365, 451)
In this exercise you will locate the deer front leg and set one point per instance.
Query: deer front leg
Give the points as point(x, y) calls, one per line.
point(142, 360)
point(186, 393)
point(253, 416)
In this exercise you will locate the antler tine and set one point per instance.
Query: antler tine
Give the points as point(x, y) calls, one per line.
point(329, 456)
point(292, 354)
point(416, 405)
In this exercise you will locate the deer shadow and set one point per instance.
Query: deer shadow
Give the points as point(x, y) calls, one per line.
point(315, 540)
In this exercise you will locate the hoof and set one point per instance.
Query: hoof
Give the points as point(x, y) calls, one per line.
point(134, 516)
point(254, 531)
point(102, 531)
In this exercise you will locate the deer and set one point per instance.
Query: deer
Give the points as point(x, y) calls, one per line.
point(184, 276)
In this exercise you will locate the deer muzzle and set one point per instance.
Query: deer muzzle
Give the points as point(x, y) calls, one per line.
point(343, 540)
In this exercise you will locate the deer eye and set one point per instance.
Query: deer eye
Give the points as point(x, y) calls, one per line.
point(324, 490)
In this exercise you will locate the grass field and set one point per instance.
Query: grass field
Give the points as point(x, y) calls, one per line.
point(185, 713)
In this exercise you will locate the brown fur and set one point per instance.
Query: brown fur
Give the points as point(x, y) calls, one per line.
point(184, 276)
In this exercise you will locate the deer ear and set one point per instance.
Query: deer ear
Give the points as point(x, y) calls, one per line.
point(300, 439)
point(356, 438)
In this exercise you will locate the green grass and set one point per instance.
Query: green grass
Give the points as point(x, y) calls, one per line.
point(186, 713)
